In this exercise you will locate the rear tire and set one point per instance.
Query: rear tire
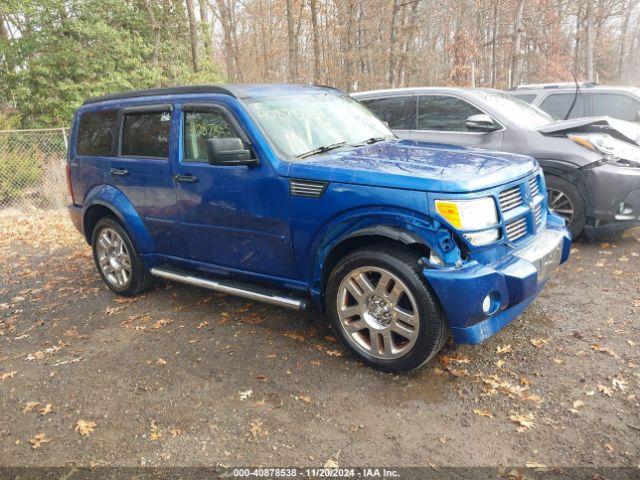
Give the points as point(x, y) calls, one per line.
point(117, 260)
point(566, 201)
point(383, 310)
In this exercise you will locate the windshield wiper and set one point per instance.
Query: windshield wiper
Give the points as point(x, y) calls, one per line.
point(324, 148)
point(372, 140)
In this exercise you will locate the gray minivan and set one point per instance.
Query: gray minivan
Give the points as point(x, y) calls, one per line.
point(592, 169)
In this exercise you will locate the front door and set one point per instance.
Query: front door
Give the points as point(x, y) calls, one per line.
point(235, 217)
point(442, 118)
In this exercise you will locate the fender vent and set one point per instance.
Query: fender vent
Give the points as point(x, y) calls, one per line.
point(306, 188)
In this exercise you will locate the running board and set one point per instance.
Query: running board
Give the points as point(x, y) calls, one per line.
point(233, 288)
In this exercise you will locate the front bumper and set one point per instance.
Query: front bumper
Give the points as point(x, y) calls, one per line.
point(512, 283)
point(616, 199)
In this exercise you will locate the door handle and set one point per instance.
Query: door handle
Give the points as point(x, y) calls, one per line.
point(119, 172)
point(185, 178)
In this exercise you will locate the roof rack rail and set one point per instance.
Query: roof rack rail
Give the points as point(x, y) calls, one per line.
point(537, 86)
point(161, 91)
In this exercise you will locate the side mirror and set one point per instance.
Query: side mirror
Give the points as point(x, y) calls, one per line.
point(481, 123)
point(228, 151)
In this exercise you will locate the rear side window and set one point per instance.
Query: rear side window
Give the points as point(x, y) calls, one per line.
point(616, 105)
point(525, 97)
point(199, 127)
point(146, 134)
point(444, 113)
point(398, 112)
point(558, 104)
point(95, 133)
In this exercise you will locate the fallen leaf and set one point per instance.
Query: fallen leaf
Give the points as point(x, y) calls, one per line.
point(85, 427)
point(246, 394)
point(538, 342)
point(504, 349)
point(483, 413)
point(161, 323)
point(606, 391)
point(161, 361)
point(295, 336)
point(175, 432)
point(155, 433)
point(46, 409)
point(333, 353)
point(525, 421)
point(500, 363)
point(331, 464)
point(601, 349)
point(38, 440)
point(30, 406)
point(256, 429)
point(5, 376)
point(619, 384)
point(203, 324)
point(303, 398)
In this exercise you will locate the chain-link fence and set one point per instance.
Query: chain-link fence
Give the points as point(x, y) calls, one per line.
point(32, 169)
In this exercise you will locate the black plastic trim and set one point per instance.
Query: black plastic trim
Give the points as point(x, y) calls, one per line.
point(161, 91)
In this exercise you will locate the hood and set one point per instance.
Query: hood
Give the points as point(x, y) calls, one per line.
point(411, 165)
point(620, 129)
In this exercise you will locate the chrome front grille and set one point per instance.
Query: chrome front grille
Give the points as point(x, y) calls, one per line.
point(534, 186)
point(537, 213)
point(516, 229)
point(510, 198)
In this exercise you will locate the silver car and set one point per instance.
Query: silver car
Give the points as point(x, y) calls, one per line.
point(592, 169)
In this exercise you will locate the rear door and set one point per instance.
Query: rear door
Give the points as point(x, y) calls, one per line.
point(441, 118)
point(143, 171)
point(236, 217)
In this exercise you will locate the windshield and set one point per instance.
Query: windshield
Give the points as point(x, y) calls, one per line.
point(518, 111)
point(300, 123)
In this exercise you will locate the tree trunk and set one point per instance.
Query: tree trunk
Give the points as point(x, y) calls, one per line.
point(153, 23)
point(494, 41)
point(206, 30)
point(589, 45)
point(393, 39)
point(517, 40)
point(627, 12)
point(313, 5)
point(293, 47)
point(193, 31)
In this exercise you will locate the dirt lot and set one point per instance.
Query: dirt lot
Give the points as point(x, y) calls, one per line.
point(183, 377)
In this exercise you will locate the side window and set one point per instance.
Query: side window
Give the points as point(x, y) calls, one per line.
point(525, 97)
point(200, 126)
point(95, 133)
point(146, 134)
point(616, 105)
point(398, 112)
point(558, 104)
point(444, 113)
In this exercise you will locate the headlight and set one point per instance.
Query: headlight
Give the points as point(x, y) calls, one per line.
point(470, 215)
point(623, 153)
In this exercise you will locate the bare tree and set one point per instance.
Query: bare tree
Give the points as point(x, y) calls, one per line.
point(589, 42)
point(292, 65)
point(153, 23)
point(193, 35)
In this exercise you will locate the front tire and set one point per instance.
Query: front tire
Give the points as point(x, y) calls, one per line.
point(566, 201)
point(383, 310)
point(117, 260)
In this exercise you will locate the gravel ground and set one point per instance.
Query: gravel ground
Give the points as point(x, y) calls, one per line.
point(183, 377)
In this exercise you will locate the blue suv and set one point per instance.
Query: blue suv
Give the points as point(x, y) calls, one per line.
point(281, 193)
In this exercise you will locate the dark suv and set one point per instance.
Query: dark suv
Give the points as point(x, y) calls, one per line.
point(592, 170)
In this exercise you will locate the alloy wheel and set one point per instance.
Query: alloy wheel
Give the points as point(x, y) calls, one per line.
point(560, 204)
point(378, 312)
point(113, 257)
